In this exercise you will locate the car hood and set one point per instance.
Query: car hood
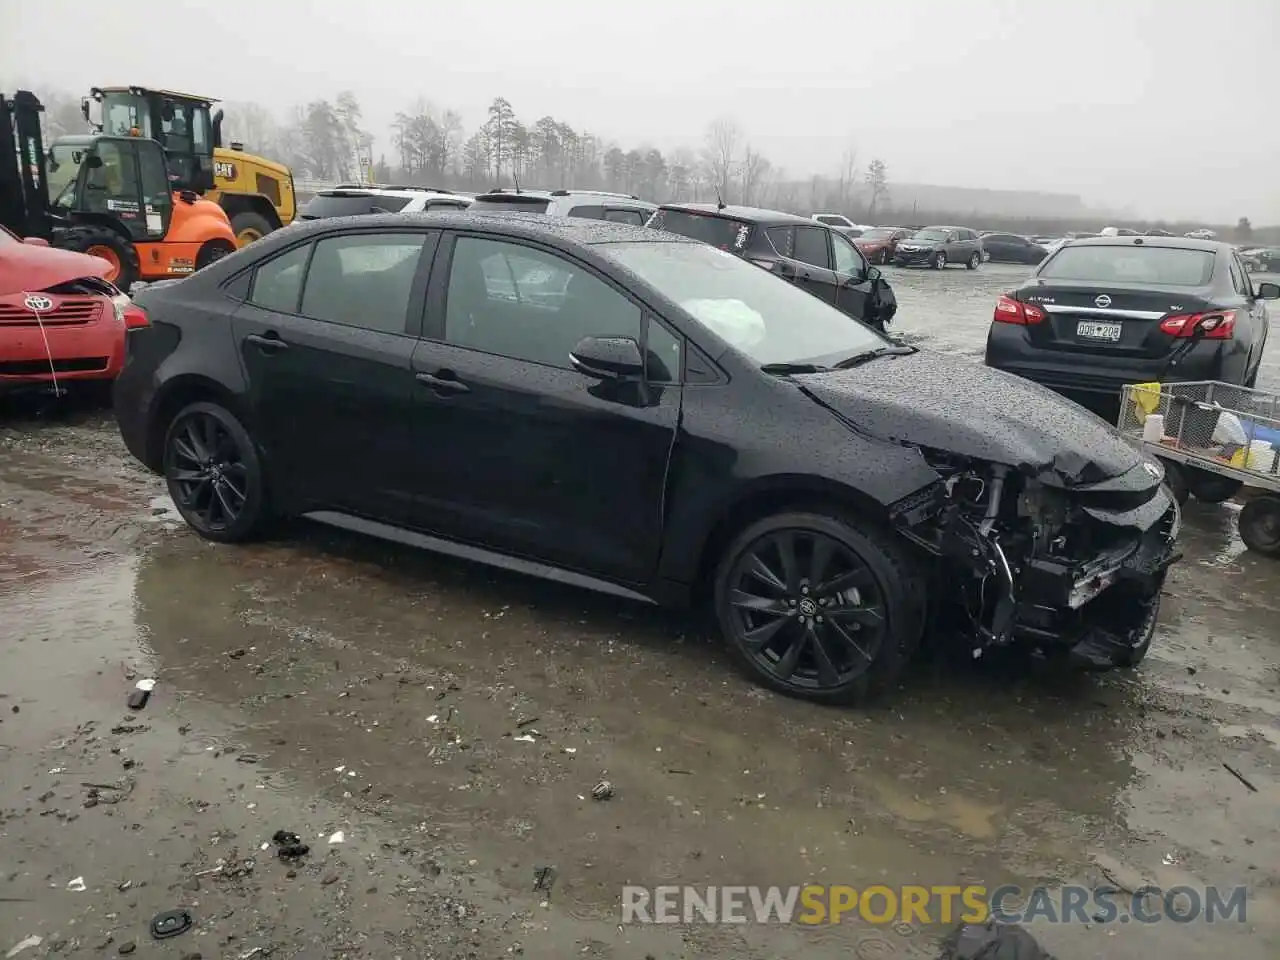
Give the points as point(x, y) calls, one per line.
point(916, 242)
point(956, 406)
point(26, 269)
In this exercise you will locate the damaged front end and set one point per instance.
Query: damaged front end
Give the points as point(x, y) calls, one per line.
point(1037, 556)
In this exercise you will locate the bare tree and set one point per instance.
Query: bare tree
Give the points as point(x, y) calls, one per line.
point(755, 169)
point(877, 186)
point(723, 137)
point(848, 175)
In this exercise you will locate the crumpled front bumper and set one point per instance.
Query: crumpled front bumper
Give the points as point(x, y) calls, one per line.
point(1101, 612)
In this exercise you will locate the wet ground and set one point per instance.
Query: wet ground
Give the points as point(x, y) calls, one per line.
point(450, 722)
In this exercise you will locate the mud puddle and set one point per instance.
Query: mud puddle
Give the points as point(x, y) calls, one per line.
point(452, 721)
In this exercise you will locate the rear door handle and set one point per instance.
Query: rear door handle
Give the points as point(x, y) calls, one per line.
point(270, 343)
point(442, 384)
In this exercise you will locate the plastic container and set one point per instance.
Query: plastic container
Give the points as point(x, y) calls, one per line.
point(1153, 428)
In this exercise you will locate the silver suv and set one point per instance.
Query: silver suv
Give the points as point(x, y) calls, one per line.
point(591, 204)
point(354, 199)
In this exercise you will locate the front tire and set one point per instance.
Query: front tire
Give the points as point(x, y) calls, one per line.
point(819, 607)
point(212, 252)
point(105, 244)
point(1210, 487)
point(975, 261)
point(214, 473)
point(248, 227)
point(940, 260)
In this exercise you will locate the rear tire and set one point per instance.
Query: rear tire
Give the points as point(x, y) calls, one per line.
point(105, 243)
point(212, 252)
point(832, 618)
point(1211, 488)
point(939, 260)
point(214, 474)
point(974, 261)
point(1260, 525)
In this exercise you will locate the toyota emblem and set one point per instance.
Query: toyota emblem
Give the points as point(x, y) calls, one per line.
point(1103, 301)
point(37, 304)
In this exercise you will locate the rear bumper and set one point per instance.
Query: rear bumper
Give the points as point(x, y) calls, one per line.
point(131, 402)
point(1078, 372)
point(91, 351)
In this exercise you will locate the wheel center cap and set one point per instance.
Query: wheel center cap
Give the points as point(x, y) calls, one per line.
point(808, 608)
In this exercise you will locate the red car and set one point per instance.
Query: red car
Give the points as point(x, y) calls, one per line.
point(60, 321)
point(878, 243)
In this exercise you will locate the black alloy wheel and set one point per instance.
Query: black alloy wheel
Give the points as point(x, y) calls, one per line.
point(975, 261)
point(213, 473)
point(940, 260)
point(815, 609)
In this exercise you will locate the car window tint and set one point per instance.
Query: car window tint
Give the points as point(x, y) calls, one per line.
point(524, 303)
point(664, 361)
point(363, 279)
point(277, 284)
point(811, 246)
point(848, 259)
point(783, 240)
point(1131, 264)
point(625, 216)
point(588, 211)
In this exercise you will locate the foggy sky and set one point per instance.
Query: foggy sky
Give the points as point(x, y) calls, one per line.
point(1167, 108)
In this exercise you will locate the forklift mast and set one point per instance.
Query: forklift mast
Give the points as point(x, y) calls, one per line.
point(24, 193)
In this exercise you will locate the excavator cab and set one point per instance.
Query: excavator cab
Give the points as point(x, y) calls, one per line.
point(179, 122)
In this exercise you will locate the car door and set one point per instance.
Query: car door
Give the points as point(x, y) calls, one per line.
point(325, 346)
point(1255, 310)
point(852, 286)
point(522, 453)
point(814, 272)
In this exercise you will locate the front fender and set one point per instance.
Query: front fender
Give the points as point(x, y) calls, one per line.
point(199, 222)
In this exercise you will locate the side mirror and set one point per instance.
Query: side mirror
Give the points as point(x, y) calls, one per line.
point(874, 274)
point(608, 358)
point(94, 162)
point(1269, 291)
point(35, 241)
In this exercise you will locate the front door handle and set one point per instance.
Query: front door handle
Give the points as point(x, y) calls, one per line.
point(442, 384)
point(270, 343)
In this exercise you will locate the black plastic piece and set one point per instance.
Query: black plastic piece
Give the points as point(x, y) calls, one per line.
point(172, 923)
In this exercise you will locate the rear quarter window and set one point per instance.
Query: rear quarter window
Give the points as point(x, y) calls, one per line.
point(722, 232)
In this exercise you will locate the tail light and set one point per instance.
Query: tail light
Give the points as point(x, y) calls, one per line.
point(1217, 324)
point(1009, 310)
point(132, 315)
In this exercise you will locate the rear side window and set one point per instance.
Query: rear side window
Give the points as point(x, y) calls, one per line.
point(720, 232)
point(635, 217)
point(510, 203)
point(811, 247)
point(325, 205)
point(783, 240)
point(277, 284)
point(363, 280)
point(588, 212)
point(1131, 264)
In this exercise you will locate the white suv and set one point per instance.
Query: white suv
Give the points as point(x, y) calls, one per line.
point(592, 204)
point(353, 199)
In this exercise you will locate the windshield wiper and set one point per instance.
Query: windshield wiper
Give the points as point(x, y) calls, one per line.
point(783, 369)
point(901, 350)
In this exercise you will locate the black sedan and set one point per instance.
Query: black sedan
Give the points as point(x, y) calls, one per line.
point(1105, 312)
point(1012, 248)
point(817, 258)
point(630, 411)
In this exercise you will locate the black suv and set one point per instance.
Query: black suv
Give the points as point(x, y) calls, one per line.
point(812, 255)
point(938, 246)
point(642, 414)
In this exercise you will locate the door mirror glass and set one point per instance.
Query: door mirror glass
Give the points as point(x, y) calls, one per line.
point(608, 358)
point(1269, 291)
point(874, 274)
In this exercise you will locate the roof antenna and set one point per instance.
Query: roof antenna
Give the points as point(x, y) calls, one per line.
point(719, 202)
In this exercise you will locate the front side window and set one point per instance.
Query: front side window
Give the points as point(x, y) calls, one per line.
point(112, 187)
point(765, 319)
point(363, 280)
point(277, 284)
point(848, 259)
point(528, 304)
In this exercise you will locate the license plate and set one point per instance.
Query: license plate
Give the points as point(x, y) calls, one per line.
point(1093, 330)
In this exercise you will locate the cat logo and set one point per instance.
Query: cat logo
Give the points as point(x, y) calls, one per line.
point(224, 170)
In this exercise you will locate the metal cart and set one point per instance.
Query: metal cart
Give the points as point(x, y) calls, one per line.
point(1216, 440)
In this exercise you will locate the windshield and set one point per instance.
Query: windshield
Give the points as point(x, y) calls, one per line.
point(932, 233)
point(718, 231)
point(510, 204)
point(1169, 266)
point(63, 166)
point(764, 317)
point(327, 205)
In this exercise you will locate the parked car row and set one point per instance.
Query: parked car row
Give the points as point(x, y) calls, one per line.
point(654, 416)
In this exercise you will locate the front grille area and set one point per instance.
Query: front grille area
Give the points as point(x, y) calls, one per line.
point(66, 310)
point(35, 368)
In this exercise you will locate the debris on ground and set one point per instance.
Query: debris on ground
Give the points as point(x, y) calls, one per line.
point(1240, 776)
point(171, 923)
point(141, 694)
point(289, 845)
point(544, 878)
point(991, 941)
point(76, 885)
point(337, 837)
point(17, 948)
point(602, 791)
